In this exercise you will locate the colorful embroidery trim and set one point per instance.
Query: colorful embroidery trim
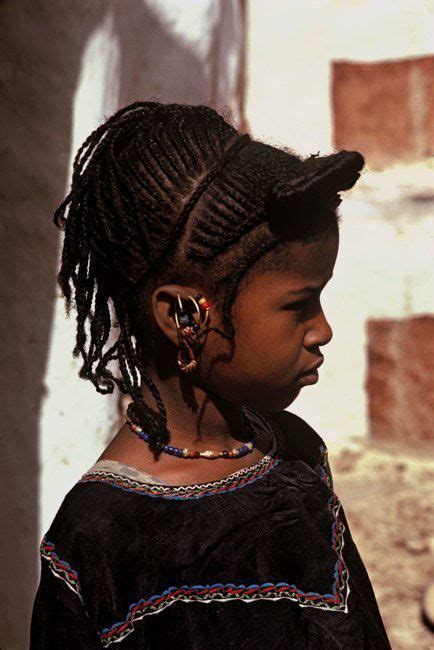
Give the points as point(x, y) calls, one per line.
point(217, 592)
point(325, 469)
point(60, 568)
point(337, 600)
point(228, 484)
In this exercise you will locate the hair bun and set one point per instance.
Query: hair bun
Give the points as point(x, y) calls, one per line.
point(315, 181)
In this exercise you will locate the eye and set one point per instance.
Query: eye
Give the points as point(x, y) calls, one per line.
point(299, 305)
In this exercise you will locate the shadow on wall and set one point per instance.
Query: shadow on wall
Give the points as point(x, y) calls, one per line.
point(41, 47)
point(154, 64)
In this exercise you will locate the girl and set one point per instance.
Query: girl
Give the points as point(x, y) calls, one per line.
point(210, 520)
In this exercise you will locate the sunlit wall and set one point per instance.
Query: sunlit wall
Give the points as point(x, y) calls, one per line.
point(384, 268)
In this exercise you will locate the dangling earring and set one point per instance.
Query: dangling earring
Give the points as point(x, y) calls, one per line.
point(189, 327)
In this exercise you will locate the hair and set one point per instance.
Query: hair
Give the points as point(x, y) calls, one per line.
point(174, 193)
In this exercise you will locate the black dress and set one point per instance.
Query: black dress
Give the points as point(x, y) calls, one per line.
point(260, 559)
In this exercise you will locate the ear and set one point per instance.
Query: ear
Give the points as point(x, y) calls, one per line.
point(164, 301)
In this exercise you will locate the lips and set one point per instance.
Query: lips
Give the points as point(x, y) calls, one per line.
point(312, 369)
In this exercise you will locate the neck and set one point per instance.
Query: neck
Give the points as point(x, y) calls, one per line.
point(196, 418)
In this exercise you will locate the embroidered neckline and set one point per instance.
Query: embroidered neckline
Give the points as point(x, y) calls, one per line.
point(229, 483)
point(128, 478)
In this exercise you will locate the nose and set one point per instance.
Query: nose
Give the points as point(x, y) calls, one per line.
point(318, 331)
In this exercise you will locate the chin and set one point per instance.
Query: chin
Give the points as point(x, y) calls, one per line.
point(275, 404)
point(294, 394)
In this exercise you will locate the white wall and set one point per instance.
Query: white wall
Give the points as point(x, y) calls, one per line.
point(291, 45)
point(384, 267)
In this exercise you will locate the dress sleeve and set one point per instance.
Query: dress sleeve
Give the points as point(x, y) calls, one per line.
point(59, 619)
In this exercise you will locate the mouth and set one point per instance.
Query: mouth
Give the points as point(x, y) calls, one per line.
point(309, 376)
point(306, 378)
point(313, 370)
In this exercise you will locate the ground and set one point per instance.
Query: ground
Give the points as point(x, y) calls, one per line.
point(386, 491)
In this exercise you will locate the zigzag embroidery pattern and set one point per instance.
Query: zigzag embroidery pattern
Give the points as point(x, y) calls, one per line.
point(60, 568)
point(228, 484)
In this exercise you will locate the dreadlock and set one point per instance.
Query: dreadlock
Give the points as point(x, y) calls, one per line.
point(161, 193)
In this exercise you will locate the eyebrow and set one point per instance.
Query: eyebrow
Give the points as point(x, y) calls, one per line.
point(309, 288)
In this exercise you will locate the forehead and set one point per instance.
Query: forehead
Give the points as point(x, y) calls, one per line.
point(295, 263)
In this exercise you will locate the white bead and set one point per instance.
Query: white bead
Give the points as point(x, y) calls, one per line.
point(210, 454)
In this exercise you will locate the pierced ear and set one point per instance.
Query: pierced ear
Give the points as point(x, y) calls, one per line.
point(164, 302)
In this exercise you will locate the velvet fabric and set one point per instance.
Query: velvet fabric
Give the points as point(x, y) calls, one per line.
point(261, 559)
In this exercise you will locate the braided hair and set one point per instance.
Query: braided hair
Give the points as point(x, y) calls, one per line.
point(173, 193)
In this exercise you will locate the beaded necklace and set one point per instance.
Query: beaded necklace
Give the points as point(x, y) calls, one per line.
point(245, 449)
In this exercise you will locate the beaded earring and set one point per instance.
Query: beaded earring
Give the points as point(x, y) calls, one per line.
point(189, 326)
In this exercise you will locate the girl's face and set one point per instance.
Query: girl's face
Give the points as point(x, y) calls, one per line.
point(280, 326)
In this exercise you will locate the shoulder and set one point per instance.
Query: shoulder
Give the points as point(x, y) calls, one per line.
point(95, 535)
point(68, 542)
point(93, 523)
point(297, 439)
point(99, 507)
point(84, 514)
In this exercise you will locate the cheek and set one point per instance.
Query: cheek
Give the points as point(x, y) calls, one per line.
point(270, 348)
point(262, 369)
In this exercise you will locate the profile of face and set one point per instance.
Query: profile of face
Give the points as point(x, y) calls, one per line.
point(280, 327)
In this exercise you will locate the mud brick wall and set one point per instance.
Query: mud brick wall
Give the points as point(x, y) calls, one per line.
point(385, 109)
point(400, 382)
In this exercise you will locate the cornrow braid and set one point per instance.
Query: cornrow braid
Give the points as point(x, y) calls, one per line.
point(231, 151)
point(172, 192)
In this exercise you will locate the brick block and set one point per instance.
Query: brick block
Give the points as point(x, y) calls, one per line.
point(385, 109)
point(400, 380)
